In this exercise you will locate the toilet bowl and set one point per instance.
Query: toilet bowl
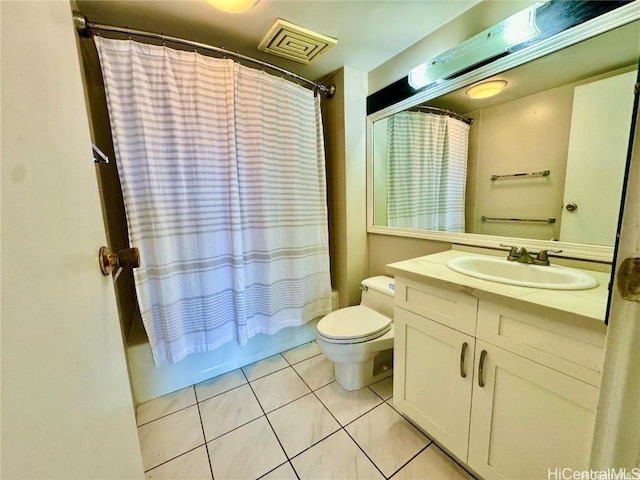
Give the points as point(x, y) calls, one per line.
point(359, 340)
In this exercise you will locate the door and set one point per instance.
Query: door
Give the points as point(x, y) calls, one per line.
point(617, 435)
point(598, 142)
point(527, 419)
point(67, 410)
point(433, 378)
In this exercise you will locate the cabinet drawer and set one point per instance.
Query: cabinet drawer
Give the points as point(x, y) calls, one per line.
point(568, 343)
point(447, 307)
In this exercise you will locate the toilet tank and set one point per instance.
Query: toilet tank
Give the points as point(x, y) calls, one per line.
point(377, 294)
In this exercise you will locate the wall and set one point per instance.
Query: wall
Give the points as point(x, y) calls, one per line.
point(345, 135)
point(66, 405)
point(380, 173)
point(385, 249)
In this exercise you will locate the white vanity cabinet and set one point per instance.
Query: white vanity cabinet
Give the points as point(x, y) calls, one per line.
point(508, 391)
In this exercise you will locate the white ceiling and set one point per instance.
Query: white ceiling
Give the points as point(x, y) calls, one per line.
point(369, 32)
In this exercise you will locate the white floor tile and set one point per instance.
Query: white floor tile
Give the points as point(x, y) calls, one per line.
point(279, 388)
point(220, 384)
point(193, 465)
point(387, 438)
point(434, 464)
point(336, 457)
point(246, 453)
point(242, 444)
point(170, 436)
point(283, 472)
point(383, 388)
point(302, 352)
point(302, 423)
point(265, 367)
point(229, 410)
point(347, 406)
point(316, 371)
point(161, 406)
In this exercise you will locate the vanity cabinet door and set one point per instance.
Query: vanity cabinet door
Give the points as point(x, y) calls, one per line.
point(433, 378)
point(527, 418)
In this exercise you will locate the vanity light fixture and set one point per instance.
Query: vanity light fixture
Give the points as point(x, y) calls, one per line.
point(480, 48)
point(233, 6)
point(486, 89)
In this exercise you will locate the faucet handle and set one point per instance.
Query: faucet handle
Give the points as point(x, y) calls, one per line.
point(512, 248)
point(543, 256)
point(513, 252)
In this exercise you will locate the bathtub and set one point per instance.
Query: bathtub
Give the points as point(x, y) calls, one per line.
point(149, 381)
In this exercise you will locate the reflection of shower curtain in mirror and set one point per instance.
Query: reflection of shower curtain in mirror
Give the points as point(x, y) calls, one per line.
point(427, 171)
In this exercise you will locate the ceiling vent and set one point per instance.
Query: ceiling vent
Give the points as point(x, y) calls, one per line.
point(295, 43)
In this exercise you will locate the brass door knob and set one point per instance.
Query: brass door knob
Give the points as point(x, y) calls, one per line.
point(125, 258)
point(628, 279)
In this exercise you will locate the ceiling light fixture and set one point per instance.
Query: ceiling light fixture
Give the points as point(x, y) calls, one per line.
point(233, 6)
point(486, 89)
point(480, 48)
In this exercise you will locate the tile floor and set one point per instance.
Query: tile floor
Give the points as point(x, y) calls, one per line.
point(284, 418)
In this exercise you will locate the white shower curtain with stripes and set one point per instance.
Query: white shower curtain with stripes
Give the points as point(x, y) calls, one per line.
point(427, 171)
point(223, 178)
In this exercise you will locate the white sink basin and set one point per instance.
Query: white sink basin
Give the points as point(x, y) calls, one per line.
point(500, 270)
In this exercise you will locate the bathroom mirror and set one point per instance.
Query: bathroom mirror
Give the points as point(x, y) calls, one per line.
point(545, 157)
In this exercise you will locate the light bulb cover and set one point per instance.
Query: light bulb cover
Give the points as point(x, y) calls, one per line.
point(486, 89)
point(233, 6)
point(484, 46)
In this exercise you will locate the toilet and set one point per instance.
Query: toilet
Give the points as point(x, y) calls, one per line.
point(359, 340)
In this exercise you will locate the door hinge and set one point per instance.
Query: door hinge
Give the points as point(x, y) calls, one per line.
point(629, 279)
point(636, 89)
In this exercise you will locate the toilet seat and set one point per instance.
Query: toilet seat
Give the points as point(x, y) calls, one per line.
point(353, 325)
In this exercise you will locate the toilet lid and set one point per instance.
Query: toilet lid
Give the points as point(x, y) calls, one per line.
point(353, 324)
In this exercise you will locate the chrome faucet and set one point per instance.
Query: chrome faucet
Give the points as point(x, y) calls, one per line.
point(520, 255)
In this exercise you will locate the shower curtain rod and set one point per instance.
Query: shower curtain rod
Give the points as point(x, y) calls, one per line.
point(86, 27)
point(443, 111)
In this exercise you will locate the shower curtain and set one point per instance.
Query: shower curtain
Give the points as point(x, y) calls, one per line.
point(223, 179)
point(427, 171)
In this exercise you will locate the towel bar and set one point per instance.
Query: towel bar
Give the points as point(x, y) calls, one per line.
point(530, 220)
point(543, 173)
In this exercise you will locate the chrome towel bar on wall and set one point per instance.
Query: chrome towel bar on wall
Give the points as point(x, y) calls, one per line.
point(543, 173)
point(506, 219)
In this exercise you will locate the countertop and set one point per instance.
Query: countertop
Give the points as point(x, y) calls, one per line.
point(591, 303)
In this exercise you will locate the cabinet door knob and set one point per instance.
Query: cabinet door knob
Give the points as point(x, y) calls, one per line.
point(463, 352)
point(483, 355)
